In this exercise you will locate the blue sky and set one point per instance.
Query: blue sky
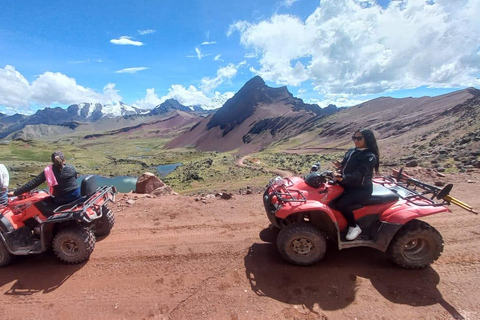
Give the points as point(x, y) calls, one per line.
point(57, 53)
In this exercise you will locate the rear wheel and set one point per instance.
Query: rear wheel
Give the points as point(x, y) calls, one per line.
point(105, 223)
point(301, 244)
point(416, 245)
point(74, 245)
point(5, 256)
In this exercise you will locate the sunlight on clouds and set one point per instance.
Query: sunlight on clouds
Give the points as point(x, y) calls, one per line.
point(144, 32)
point(47, 89)
point(125, 41)
point(131, 70)
point(150, 101)
point(223, 74)
point(288, 3)
point(405, 45)
point(14, 88)
point(190, 96)
point(339, 100)
point(50, 88)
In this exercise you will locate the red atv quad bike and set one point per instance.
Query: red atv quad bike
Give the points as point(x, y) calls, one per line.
point(32, 223)
point(303, 211)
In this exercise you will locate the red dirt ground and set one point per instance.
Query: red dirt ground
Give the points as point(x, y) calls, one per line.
point(177, 258)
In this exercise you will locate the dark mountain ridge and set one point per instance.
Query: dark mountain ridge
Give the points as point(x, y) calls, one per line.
point(254, 117)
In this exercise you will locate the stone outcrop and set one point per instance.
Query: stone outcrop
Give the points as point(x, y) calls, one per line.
point(150, 184)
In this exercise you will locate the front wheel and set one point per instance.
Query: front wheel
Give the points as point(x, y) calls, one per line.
point(416, 245)
point(301, 244)
point(74, 245)
point(105, 223)
point(5, 256)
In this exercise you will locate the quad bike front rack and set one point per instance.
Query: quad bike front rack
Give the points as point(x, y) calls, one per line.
point(285, 195)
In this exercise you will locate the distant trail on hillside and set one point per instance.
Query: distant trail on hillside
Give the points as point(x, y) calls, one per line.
point(310, 149)
point(284, 173)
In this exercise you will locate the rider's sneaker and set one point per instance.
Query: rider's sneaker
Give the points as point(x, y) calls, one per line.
point(353, 233)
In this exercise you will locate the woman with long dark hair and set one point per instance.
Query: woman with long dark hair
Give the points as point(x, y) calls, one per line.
point(355, 174)
point(61, 179)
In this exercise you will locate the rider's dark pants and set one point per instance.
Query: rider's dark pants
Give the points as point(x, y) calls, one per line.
point(351, 198)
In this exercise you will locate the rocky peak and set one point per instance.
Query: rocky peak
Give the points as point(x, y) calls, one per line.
point(169, 105)
point(243, 104)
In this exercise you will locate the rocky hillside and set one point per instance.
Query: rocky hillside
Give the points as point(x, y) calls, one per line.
point(433, 131)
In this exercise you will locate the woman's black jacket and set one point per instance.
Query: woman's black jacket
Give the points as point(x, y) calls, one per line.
point(357, 168)
point(66, 179)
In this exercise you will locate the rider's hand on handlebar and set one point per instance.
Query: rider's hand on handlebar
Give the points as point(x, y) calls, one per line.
point(10, 194)
point(338, 176)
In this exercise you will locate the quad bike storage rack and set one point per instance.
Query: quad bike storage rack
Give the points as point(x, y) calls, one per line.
point(406, 188)
point(78, 209)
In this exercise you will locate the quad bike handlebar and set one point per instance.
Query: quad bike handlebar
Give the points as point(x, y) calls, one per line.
point(439, 193)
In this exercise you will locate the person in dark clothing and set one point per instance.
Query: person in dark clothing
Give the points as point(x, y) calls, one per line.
point(355, 174)
point(60, 177)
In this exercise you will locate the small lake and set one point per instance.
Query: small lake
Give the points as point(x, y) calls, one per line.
point(126, 184)
point(123, 184)
point(165, 169)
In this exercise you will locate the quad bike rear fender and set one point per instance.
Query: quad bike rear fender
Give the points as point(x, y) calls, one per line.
point(404, 211)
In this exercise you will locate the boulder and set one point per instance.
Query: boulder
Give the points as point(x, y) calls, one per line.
point(162, 191)
point(412, 163)
point(147, 183)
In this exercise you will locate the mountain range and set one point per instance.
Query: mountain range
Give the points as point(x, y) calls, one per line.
point(78, 114)
point(258, 117)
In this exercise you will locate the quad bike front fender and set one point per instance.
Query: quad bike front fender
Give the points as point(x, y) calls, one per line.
point(293, 208)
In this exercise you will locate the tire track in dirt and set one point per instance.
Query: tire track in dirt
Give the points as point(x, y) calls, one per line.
point(175, 258)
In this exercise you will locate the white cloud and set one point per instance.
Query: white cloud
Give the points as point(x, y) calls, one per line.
point(131, 70)
point(87, 61)
point(356, 46)
point(199, 55)
point(125, 41)
point(150, 101)
point(339, 100)
point(47, 89)
point(14, 88)
point(144, 32)
point(217, 57)
point(288, 3)
point(223, 74)
point(190, 96)
point(208, 42)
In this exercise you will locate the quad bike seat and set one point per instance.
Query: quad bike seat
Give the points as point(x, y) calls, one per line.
point(88, 186)
point(381, 195)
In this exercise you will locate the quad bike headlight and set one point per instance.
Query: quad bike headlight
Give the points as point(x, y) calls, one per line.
point(277, 181)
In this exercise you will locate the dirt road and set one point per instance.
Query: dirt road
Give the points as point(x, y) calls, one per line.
point(177, 258)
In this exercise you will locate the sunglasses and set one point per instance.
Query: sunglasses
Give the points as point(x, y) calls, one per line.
point(357, 138)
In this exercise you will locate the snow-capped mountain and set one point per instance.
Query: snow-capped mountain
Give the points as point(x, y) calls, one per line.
point(96, 111)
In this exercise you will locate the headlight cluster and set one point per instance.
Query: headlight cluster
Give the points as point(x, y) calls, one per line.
point(277, 181)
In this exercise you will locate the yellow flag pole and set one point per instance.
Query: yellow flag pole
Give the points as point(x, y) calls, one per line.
point(459, 203)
